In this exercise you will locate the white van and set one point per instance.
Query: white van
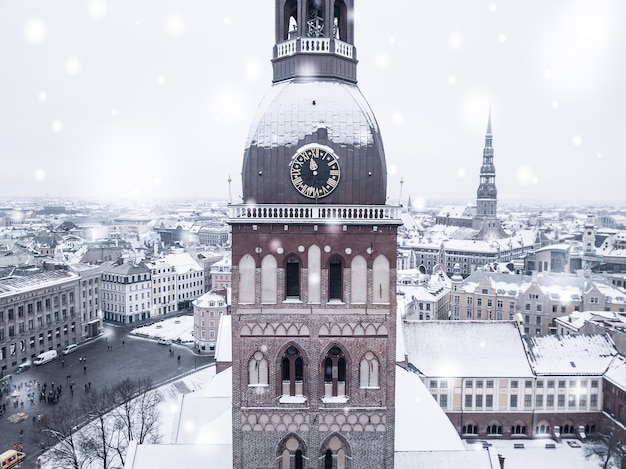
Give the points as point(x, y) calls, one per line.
point(69, 349)
point(45, 357)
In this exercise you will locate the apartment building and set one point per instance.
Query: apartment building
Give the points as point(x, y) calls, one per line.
point(126, 292)
point(189, 278)
point(536, 301)
point(163, 277)
point(207, 311)
point(39, 311)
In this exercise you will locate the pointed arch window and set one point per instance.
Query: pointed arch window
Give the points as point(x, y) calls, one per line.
point(258, 370)
point(292, 278)
point(335, 453)
point(335, 372)
point(369, 372)
point(291, 453)
point(335, 283)
point(292, 370)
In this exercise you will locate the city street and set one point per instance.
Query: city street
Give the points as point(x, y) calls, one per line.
point(104, 361)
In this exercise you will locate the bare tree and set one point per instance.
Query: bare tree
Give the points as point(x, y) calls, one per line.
point(136, 415)
point(61, 433)
point(100, 436)
point(608, 448)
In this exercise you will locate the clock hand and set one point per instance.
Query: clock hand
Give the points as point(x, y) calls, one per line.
point(313, 166)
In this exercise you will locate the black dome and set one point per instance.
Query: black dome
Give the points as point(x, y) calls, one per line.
point(329, 113)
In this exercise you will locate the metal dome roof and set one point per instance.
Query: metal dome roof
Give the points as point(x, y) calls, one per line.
point(296, 113)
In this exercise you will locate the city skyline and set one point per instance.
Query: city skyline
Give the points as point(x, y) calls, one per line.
point(108, 99)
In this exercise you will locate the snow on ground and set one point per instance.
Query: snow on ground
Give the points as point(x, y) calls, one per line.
point(535, 454)
point(180, 327)
point(169, 408)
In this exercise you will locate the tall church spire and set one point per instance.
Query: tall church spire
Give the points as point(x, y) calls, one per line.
point(487, 194)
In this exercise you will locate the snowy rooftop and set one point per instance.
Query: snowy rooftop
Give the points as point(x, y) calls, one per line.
point(466, 348)
point(11, 285)
point(182, 262)
point(576, 354)
point(617, 372)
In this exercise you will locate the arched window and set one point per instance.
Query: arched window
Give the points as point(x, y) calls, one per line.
point(292, 372)
point(358, 280)
point(494, 429)
point(315, 18)
point(335, 284)
point(291, 453)
point(290, 20)
point(518, 430)
point(380, 283)
point(335, 372)
point(340, 21)
point(292, 278)
point(470, 429)
point(335, 453)
point(314, 274)
point(269, 280)
point(369, 371)
point(246, 279)
point(258, 370)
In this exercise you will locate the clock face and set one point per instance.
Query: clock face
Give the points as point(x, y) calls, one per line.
point(314, 171)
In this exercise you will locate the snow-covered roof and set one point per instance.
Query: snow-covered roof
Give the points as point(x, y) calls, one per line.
point(616, 372)
point(204, 301)
point(414, 403)
point(224, 343)
point(194, 456)
point(182, 262)
point(573, 354)
point(466, 348)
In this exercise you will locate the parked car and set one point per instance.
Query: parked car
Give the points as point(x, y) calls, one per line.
point(164, 341)
point(23, 367)
point(69, 349)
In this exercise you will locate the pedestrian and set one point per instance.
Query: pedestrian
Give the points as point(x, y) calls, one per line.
point(62, 363)
point(84, 368)
point(179, 359)
point(123, 343)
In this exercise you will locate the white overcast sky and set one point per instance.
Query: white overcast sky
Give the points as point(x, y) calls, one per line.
point(154, 98)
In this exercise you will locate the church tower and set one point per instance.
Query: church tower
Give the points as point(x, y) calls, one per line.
point(486, 221)
point(487, 194)
point(314, 261)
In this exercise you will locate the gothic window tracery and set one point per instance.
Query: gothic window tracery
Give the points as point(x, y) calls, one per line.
point(369, 371)
point(292, 453)
point(335, 372)
point(292, 370)
point(258, 370)
point(335, 453)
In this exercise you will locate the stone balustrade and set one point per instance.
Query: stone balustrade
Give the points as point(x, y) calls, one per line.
point(267, 213)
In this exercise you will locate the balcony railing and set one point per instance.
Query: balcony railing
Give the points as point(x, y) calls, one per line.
point(381, 214)
point(315, 45)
